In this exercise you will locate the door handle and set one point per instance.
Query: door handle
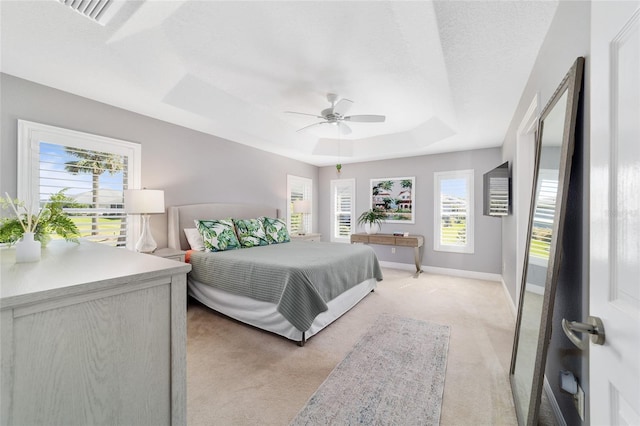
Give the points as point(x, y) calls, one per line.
point(594, 327)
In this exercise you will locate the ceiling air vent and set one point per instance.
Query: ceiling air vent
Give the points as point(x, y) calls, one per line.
point(97, 10)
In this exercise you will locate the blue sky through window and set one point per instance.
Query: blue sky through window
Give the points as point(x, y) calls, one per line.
point(454, 187)
point(54, 177)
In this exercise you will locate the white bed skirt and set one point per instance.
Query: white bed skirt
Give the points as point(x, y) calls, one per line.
point(264, 315)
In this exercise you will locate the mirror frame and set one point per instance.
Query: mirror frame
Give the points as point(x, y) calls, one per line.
point(571, 84)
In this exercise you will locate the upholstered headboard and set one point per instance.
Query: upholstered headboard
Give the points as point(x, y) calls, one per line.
point(181, 217)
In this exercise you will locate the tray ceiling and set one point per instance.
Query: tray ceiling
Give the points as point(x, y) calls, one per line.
point(447, 75)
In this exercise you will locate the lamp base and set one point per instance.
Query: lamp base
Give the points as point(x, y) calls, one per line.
point(146, 243)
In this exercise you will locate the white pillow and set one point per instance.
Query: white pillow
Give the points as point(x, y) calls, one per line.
point(194, 238)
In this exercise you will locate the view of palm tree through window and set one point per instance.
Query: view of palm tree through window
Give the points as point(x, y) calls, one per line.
point(93, 183)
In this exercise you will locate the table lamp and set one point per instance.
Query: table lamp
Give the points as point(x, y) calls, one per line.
point(144, 202)
point(303, 207)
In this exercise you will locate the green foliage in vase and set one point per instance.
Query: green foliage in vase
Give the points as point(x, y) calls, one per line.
point(50, 219)
point(372, 217)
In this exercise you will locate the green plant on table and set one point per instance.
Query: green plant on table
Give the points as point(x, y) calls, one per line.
point(51, 218)
point(372, 217)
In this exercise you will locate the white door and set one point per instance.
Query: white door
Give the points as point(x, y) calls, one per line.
point(614, 368)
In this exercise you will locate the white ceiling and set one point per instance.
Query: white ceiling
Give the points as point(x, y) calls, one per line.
point(448, 75)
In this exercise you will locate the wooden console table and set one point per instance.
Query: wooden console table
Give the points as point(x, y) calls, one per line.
point(415, 241)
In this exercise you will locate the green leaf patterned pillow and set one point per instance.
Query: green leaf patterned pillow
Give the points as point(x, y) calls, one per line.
point(218, 235)
point(276, 230)
point(250, 232)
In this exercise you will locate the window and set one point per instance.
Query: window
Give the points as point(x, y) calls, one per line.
point(544, 212)
point(453, 223)
point(91, 171)
point(343, 201)
point(299, 188)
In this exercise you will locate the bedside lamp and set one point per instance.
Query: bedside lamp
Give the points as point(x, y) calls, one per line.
point(303, 207)
point(144, 202)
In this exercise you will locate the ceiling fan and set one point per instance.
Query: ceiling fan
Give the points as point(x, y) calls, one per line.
point(336, 115)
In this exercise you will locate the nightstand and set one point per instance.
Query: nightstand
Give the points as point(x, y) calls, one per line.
point(169, 253)
point(306, 237)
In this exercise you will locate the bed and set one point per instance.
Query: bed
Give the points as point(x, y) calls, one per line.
point(311, 284)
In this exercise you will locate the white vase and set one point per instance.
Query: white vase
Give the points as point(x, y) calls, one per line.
point(371, 228)
point(28, 249)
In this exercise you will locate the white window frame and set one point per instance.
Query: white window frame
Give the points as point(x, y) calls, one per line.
point(30, 134)
point(307, 194)
point(468, 176)
point(350, 186)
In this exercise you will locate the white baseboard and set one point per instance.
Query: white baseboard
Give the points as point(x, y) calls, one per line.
point(511, 303)
point(560, 421)
point(444, 271)
point(536, 289)
point(395, 265)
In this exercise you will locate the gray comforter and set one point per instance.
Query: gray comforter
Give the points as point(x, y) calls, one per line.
point(300, 277)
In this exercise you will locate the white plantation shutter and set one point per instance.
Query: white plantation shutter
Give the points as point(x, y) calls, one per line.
point(342, 209)
point(543, 216)
point(499, 196)
point(299, 188)
point(99, 215)
point(453, 227)
point(92, 171)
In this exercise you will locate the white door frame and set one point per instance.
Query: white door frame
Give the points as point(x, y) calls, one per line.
point(523, 183)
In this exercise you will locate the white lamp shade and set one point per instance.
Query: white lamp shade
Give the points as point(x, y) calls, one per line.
point(143, 201)
point(302, 206)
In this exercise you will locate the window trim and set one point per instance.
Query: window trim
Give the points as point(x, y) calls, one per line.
point(469, 176)
point(351, 185)
point(28, 179)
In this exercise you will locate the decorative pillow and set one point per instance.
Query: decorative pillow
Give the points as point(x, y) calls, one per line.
point(194, 238)
point(276, 230)
point(218, 235)
point(250, 232)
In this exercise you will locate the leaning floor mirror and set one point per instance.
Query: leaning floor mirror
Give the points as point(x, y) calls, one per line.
point(554, 150)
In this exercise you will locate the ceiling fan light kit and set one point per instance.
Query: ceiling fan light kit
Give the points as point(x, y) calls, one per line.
point(336, 115)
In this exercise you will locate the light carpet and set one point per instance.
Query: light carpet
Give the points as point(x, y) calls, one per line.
point(393, 375)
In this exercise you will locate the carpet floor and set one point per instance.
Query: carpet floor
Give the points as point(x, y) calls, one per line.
point(393, 376)
point(238, 375)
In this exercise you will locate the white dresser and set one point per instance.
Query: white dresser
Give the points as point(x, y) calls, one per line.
point(92, 335)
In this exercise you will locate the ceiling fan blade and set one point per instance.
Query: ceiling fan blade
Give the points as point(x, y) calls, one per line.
point(342, 106)
point(304, 113)
point(311, 125)
point(344, 129)
point(365, 118)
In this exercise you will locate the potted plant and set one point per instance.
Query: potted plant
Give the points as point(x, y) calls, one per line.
point(39, 225)
point(372, 220)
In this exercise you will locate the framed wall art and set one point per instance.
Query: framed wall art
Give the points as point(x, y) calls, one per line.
point(395, 197)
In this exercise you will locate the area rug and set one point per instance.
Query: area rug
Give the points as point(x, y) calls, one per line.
point(394, 375)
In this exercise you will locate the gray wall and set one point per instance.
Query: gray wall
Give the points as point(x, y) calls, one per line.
point(192, 167)
point(487, 237)
point(568, 38)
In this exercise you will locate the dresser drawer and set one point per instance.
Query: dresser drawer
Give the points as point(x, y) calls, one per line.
point(407, 241)
point(359, 238)
point(382, 239)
